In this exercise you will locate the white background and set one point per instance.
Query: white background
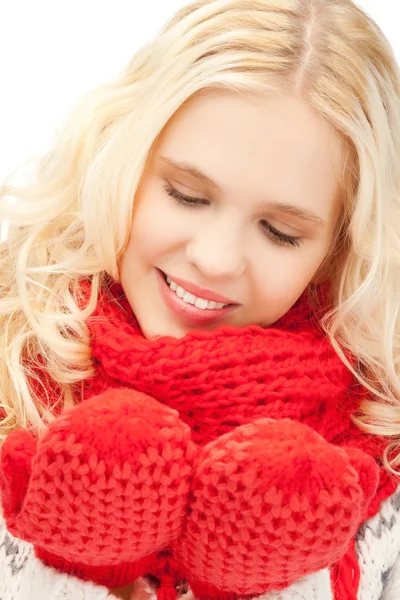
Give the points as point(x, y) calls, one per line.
point(52, 51)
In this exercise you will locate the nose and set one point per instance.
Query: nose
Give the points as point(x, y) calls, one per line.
point(217, 251)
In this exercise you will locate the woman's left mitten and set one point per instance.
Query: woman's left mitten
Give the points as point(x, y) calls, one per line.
point(270, 502)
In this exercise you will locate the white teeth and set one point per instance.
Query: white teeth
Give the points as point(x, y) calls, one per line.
point(180, 291)
point(188, 297)
point(201, 303)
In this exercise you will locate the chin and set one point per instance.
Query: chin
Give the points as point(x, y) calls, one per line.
point(153, 327)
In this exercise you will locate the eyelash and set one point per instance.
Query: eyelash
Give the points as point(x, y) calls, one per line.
point(189, 201)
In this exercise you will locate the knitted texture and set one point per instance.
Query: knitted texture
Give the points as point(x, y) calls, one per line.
point(24, 577)
point(276, 489)
point(257, 524)
point(107, 486)
point(223, 383)
point(220, 379)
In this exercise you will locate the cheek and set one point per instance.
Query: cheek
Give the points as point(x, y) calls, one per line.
point(283, 273)
point(155, 228)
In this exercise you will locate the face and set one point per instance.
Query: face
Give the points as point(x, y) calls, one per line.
point(238, 205)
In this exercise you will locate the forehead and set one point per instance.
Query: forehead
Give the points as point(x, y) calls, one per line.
point(271, 147)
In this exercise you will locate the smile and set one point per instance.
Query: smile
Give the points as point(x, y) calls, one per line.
point(186, 296)
point(193, 310)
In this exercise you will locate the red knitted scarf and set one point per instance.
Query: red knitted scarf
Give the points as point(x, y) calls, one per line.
point(221, 379)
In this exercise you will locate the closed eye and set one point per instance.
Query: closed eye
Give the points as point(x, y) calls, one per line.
point(183, 199)
point(274, 234)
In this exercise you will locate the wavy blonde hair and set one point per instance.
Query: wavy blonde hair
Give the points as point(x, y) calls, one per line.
point(72, 218)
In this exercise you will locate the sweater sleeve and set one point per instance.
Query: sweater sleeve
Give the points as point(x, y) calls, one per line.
point(24, 577)
point(378, 552)
point(392, 586)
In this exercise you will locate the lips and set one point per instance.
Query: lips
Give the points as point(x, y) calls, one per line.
point(200, 292)
point(189, 313)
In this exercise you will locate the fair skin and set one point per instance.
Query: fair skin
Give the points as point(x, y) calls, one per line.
point(260, 151)
point(135, 590)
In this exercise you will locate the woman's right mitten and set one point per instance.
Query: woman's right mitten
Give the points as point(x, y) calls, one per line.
point(104, 490)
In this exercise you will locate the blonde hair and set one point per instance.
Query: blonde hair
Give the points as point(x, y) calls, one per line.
point(328, 51)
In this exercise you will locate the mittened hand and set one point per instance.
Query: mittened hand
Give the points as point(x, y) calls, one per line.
point(107, 484)
point(270, 502)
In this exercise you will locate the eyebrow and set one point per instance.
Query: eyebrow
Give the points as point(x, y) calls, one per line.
point(285, 207)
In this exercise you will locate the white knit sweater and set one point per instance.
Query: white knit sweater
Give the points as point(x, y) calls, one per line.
point(24, 577)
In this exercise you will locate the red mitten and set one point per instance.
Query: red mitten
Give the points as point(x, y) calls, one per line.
point(270, 502)
point(104, 490)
